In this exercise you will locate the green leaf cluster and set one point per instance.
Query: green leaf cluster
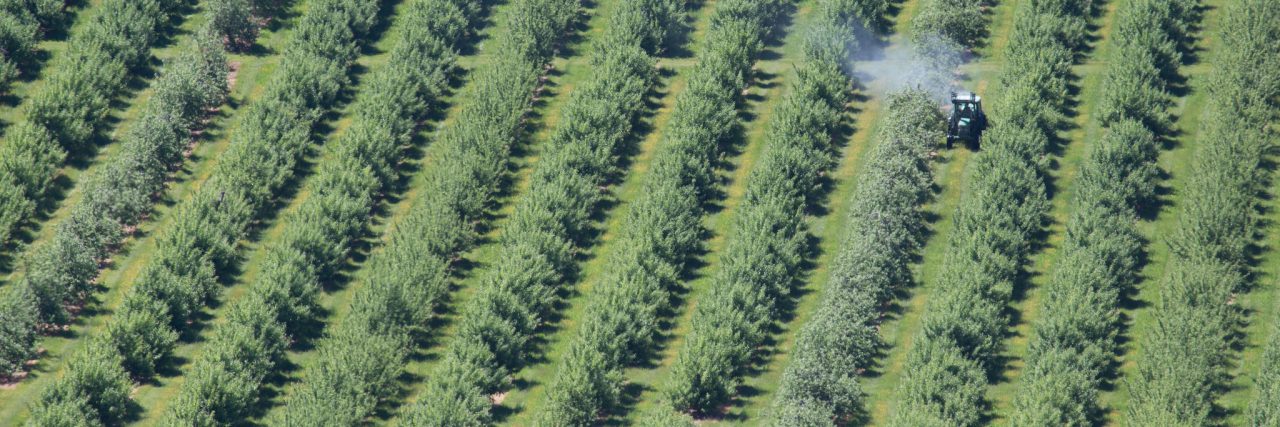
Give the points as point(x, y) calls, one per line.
point(22, 24)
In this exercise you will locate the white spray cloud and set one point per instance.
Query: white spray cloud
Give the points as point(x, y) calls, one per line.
point(929, 63)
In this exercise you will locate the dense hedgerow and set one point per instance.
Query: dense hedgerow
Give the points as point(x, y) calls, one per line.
point(19, 320)
point(1074, 340)
point(269, 142)
point(74, 104)
point(61, 271)
point(887, 227)
point(764, 260)
point(224, 384)
point(1150, 36)
point(1187, 352)
point(93, 393)
point(1002, 209)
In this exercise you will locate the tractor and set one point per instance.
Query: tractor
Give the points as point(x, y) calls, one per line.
point(967, 120)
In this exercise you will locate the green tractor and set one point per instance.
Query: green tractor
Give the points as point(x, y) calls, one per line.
point(967, 120)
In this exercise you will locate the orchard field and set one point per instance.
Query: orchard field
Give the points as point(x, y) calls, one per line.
point(638, 212)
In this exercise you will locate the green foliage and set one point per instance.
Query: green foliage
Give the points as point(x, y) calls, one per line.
point(18, 313)
point(1000, 214)
point(1264, 409)
point(224, 384)
point(762, 262)
point(93, 391)
point(350, 377)
point(942, 387)
point(60, 272)
point(47, 14)
point(235, 22)
point(1146, 58)
point(960, 21)
point(538, 247)
point(887, 228)
point(662, 228)
point(1186, 355)
point(141, 334)
point(22, 25)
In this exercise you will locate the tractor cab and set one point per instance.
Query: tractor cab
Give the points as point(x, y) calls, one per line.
point(967, 120)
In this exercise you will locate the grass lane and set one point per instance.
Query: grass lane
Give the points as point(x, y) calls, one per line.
point(253, 71)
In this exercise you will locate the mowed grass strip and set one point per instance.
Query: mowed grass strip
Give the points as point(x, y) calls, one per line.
point(252, 72)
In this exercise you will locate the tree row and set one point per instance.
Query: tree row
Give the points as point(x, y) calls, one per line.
point(1001, 212)
point(1187, 352)
point(359, 360)
point(1074, 341)
point(224, 385)
point(200, 245)
point(887, 228)
point(764, 260)
point(67, 113)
